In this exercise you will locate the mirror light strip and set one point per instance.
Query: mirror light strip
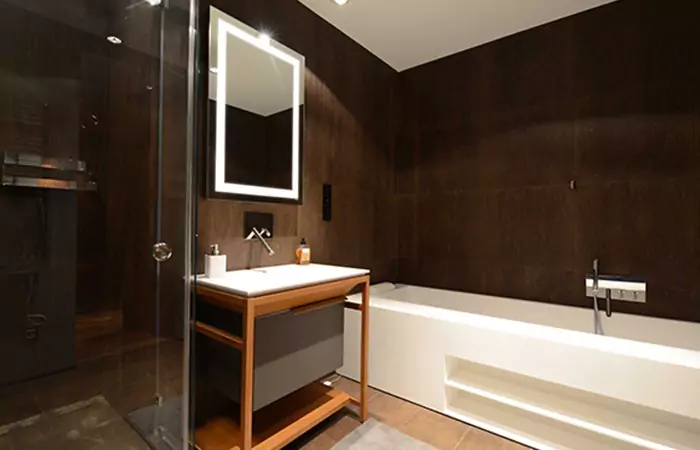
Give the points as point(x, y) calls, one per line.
point(220, 184)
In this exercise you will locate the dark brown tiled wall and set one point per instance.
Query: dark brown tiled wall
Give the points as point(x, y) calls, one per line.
point(65, 91)
point(348, 138)
point(491, 138)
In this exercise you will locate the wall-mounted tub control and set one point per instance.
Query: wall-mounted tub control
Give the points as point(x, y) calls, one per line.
point(621, 288)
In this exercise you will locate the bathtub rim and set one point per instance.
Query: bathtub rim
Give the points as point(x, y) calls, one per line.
point(611, 344)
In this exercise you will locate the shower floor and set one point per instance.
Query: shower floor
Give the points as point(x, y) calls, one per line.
point(90, 423)
point(119, 366)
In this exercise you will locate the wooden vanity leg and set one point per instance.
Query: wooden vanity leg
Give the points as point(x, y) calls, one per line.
point(364, 382)
point(247, 366)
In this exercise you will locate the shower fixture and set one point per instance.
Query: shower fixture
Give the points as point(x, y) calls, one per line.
point(615, 288)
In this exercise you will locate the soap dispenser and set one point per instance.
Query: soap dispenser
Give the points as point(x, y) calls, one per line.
point(214, 263)
point(303, 253)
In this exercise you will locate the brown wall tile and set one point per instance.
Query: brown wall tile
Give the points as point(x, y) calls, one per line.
point(490, 139)
point(456, 173)
point(348, 142)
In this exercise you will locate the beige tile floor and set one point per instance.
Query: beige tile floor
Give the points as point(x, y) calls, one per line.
point(430, 427)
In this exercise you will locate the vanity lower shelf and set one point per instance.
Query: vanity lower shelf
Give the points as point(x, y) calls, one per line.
point(275, 425)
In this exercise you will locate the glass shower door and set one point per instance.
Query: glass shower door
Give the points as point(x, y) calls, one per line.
point(95, 173)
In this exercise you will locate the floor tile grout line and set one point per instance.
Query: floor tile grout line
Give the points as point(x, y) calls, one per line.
point(464, 435)
point(413, 416)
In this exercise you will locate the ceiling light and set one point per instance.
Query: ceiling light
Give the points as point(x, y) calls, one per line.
point(340, 2)
point(114, 40)
point(264, 38)
point(154, 2)
point(214, 70)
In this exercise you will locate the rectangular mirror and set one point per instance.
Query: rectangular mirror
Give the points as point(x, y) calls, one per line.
point(256, 96)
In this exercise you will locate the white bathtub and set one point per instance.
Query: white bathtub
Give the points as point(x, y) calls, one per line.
point(534, 372)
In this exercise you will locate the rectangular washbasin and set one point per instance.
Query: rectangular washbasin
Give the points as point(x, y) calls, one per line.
point(268, 280)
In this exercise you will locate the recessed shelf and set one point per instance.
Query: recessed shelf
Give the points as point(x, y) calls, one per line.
point(535, 431)
point(626, 423)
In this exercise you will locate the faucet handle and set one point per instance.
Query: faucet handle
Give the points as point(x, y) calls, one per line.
point(262, 232)
point(608, 307)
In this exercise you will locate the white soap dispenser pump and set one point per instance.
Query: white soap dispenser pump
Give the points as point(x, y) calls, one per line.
point(214, 263)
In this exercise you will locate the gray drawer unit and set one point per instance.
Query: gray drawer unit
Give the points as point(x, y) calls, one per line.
point(292, 349)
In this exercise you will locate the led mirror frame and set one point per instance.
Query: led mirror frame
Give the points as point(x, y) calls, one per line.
point(263, 42)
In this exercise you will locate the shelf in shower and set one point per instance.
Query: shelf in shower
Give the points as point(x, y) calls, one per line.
point(48, 183)
point(44, 162)
point(624, 424)
point(28, 170)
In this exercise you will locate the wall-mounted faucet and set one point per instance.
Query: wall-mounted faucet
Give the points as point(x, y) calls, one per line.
point(626, 289)
point(260, 235)
point(616, 288)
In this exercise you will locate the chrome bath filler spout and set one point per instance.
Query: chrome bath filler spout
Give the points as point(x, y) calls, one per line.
point(261, 234)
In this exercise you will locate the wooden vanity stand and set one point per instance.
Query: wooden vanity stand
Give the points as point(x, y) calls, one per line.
point(285, 420)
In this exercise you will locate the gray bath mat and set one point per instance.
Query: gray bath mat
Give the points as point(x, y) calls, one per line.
point(373, 435)
point(88, 425)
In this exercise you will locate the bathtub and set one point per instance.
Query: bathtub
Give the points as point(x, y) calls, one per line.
point(534, 372)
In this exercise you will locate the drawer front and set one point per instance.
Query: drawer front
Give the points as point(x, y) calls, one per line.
point(295, 349)
point(292, 349)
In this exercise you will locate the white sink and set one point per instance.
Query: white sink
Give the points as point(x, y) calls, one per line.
point(267, 280)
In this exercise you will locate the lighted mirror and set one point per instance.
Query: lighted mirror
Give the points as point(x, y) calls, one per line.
point(256, 96)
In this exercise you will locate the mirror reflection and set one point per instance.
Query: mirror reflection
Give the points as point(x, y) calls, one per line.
point(255, 103)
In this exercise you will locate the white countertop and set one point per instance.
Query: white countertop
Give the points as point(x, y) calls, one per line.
point(268, 280)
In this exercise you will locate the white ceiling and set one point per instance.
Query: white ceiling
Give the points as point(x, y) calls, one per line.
point(407, 33)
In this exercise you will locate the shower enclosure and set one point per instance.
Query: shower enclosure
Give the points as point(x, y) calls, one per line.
point(95, 210)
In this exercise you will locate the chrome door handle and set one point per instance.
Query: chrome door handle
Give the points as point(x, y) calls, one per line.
point(162, 251)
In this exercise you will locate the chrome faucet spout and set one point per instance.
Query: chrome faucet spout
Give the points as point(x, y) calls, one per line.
point(260, 235)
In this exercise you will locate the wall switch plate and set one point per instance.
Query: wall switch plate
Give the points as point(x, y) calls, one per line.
point(327, 202)
point(258, 220)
